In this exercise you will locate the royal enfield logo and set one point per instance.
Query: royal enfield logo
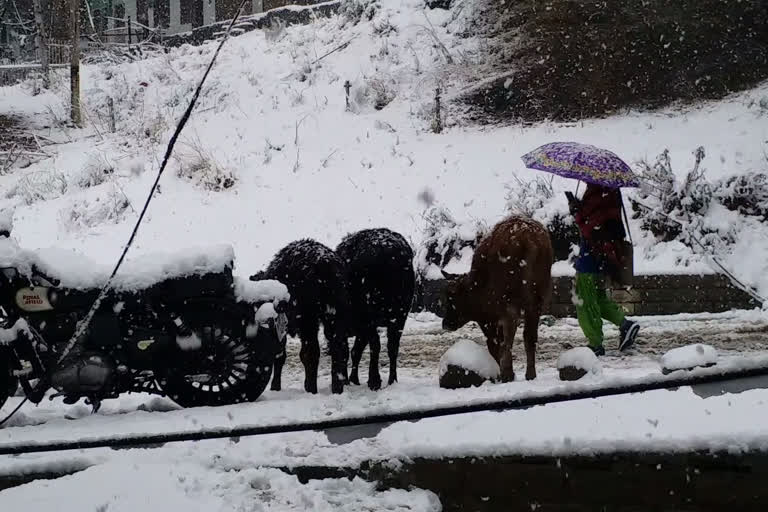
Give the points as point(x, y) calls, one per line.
point(30, 300)
point(33, 299)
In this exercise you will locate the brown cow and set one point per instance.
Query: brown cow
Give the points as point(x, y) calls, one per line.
point(511, 276)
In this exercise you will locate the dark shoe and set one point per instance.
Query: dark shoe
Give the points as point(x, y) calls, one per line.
point(598, 350)
point(627, 334)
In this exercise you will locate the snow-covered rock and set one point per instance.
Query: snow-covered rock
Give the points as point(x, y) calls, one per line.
point(688, 358)
point(576, 363)
point(467, 364)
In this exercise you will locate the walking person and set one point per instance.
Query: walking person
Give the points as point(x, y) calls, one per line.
point(598, 217)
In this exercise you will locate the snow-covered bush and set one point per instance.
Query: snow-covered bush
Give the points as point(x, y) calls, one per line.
point(106, 209)
point(97, 170)
point(672, 207)
point(39, 186)
point(376, 92)
point(199, 167)
point(537, 199)
point(354, 11)
point(275, 30)
point(746, 194)
point(686, 211)
point(445, 240)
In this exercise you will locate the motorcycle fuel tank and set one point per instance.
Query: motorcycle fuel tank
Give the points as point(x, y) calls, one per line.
point(34, 299)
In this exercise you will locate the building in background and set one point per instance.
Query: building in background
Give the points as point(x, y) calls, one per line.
point(107, 21)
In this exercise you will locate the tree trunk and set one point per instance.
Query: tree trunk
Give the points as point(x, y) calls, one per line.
point(74, 69)
point(41, 41)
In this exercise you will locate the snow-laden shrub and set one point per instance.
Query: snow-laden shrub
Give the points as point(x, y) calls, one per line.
point(537, 199)
point(98, 169)
point(199, 167)
point(110, 208)
point(375, 92)
point(39, 186)
point(746, 194)
point(672, 207)
point(444, 241)
point(686, 211)
point(275, 31)
point(354, 11)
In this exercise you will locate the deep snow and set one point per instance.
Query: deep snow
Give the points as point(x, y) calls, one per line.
point(272, 124)
point(274, 121)
point(675, 420)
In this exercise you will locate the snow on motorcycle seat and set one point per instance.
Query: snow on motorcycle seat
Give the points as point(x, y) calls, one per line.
point(192, 272)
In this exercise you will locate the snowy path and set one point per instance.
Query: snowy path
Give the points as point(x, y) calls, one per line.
point(228, 471)
point(734, 334)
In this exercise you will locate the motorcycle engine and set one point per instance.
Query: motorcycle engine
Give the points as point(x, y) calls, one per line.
point(89, 373)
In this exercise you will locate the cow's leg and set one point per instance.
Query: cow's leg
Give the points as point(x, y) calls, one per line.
point(394, 333)
point(531, 338)
point(278, 368)
point(374, 346)
point(357, 354)
point(335, 333)
point(509, 325)
point(493, 337)
point(309, 353)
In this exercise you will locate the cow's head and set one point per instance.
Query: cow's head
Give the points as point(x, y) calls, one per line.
point(455, 300)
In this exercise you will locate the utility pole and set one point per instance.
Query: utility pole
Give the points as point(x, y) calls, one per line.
point(74, 67)
point(41, 41)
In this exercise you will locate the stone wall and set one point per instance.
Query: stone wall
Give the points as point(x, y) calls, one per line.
point(619, 482)
point(649, 295)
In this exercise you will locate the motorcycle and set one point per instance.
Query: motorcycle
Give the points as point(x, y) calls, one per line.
point(200, 336)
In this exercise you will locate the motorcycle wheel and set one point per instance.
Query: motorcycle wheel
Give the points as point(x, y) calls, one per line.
point(228, 369)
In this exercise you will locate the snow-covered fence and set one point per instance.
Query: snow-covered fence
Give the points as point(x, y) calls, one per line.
point(649, 295)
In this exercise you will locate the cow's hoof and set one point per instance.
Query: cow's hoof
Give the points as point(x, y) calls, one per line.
point(374, 384)
point(508, 378)
point(530, 375)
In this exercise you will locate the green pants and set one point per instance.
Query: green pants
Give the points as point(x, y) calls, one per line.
point(592, 306)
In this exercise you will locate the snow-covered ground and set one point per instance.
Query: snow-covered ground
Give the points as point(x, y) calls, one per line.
point(672, 420)
point(274, 121)
point(272, 131)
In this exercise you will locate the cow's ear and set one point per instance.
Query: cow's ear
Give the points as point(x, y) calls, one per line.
point(449, 276)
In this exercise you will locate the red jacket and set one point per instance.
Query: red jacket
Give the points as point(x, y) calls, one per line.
point(599, 220)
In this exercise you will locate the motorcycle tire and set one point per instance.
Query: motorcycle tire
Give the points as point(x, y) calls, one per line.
point(233, 371)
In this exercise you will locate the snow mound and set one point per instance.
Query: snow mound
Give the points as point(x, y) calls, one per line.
point(469, 355)
point(689, 356)
point(580, 357)
point(261, 291)
point(183, 486)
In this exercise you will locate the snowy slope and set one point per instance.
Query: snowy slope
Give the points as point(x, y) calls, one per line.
point(273, 119)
